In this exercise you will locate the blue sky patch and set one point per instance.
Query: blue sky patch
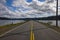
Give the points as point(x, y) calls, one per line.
point(29, 1)
point(41, 0)
point(9, 2)
point(9, 5)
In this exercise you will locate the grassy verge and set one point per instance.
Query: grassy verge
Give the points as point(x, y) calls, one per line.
point(51, 26)
point(5, 28)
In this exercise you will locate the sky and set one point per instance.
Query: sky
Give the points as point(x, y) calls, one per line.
point(28, 8)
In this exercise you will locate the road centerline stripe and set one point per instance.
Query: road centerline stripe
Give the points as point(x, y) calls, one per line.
point(31, 32)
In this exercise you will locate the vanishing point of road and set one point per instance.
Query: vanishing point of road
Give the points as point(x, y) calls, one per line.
point(31, 31)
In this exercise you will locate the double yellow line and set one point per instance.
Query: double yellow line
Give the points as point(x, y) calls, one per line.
point(31, 33)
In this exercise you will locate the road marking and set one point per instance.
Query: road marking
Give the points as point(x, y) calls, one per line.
point(54, 31)
point(31, 33)
point(11, 30)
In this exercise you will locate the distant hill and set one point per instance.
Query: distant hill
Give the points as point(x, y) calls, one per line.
point(50, 18)
point(42, 18)
point(4, 18)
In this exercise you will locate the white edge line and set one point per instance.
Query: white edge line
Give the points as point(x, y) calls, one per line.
point(10, 30)
point(54, 30)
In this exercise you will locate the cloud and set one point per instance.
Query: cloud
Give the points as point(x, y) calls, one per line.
point(45, 9)
point(18, 3)
point(2, 1)
point(48, 6)
point(50, 1)
point(28, 10)
point(5, 12)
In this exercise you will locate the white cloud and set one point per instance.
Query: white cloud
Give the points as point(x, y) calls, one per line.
point(2, 1)
point(5, 12)
point(46, 7)
point(33, 9)
point(18, 3)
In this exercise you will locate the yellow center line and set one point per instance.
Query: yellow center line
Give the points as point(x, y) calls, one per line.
point(31, 33)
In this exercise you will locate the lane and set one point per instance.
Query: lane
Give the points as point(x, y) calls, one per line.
point(44, 33)
point(32, 31)
point(21, 33)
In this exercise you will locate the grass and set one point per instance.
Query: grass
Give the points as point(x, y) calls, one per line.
point(5, 28)
point(51, 26)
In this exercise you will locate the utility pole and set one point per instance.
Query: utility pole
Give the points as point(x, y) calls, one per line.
point(56, 13)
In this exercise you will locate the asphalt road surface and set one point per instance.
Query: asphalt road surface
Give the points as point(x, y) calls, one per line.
point(31, 31)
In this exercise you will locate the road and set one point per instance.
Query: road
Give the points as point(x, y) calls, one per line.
point(31, 31)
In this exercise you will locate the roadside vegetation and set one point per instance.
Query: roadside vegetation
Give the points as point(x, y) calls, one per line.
point(51, 26)
point(5, 28)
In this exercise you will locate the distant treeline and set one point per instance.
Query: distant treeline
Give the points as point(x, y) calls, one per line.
point(42, 18)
